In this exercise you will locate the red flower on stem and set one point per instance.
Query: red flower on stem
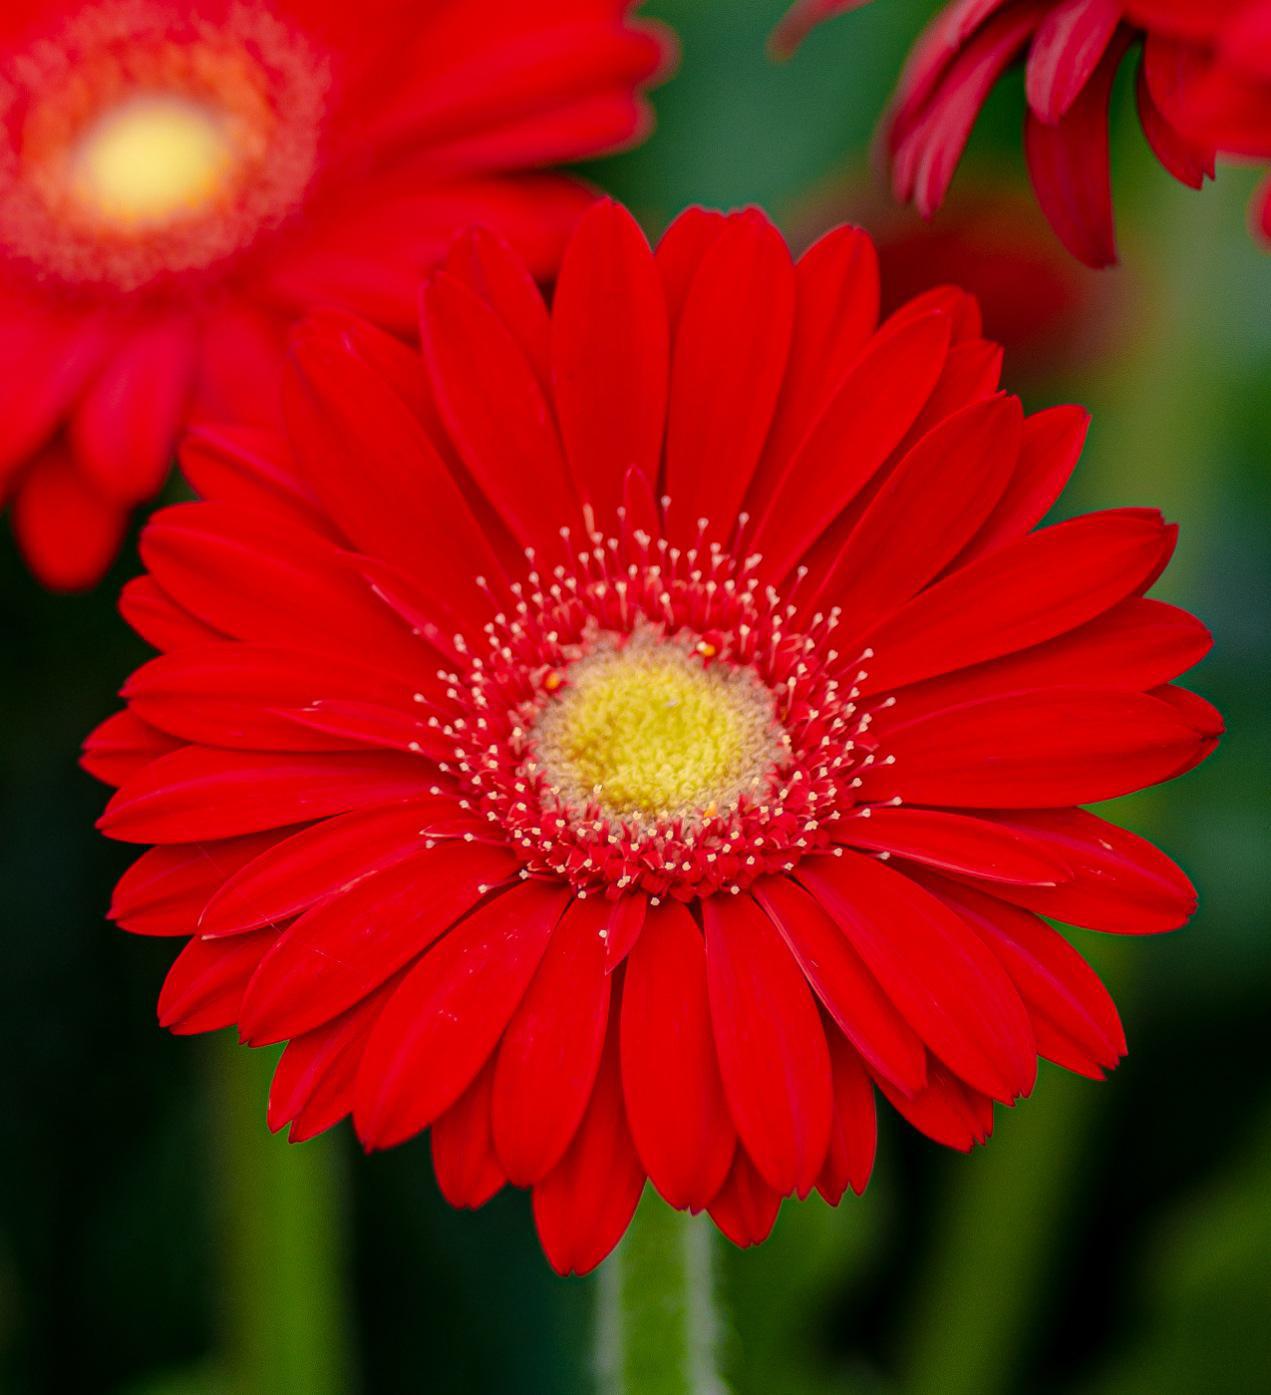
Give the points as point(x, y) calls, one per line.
point(179, 181)
point(1203, 86)
point(624, 739)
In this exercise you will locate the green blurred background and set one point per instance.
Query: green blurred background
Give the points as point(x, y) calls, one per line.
point(1113, 1239)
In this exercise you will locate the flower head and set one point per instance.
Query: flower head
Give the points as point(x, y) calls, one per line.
point(179, 181)
point(1202, 85)
point(624, 739)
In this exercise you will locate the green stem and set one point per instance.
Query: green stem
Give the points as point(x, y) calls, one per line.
point(279, 1211)
point(657, 1323)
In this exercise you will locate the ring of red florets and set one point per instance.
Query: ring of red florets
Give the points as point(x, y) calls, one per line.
point(712, 606)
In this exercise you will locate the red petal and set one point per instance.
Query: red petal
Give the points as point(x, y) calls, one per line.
point(1051, 442)
point(1075, 1021)
point(1017, 596)
point(936, 499)
point(746, 1206)
point(67, 531)
point(372, 464)
point(347, 946)
point(250, 467)
point(496, 412)
point(125, 426)
point(948, 1110)
point(197, 793)
point(256, 696)
point(550, 1052)
point(610, 356)
point(442, 1023)
point(463, 1156)
point(1043, 749)
point(1119, 883)
point(291, 874)
point(122, 746)
point(680, 253)
point(951, 990)
point(1065, 51)
point(205, 984)
point(958, 843)
point(1133, 647)
point(250, 576)
point(874, 408)
point(165, 890)
point(488, 266)
point(45, 360)
point(312, 1087)
point(158, 619)
point(727, 363)
point(675, 1102)
point(582, 1207)
point(854, 1133)
point(850, 993)
point(772, 1052)
point(626, 920)
point(836, 311)
point(1070, 169)
point(1188, 161)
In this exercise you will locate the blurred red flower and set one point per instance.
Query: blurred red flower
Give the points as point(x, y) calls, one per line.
point(1204, 85)
point(178, 181)
point(1047, 311)
point(625, 738)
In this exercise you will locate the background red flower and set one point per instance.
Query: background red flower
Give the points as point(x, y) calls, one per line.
point(1202, 87)
point(178, 181)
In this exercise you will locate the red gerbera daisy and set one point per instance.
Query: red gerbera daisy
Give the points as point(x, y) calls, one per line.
point(1072, 50)
point(177, 181)
point(625, 739)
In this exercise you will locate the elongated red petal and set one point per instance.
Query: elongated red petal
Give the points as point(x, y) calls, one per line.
point(956, 843)
point(197, 793)
point(205, 984)
point(950, 989)
point(550, 1053)
point(1119, 881)
point(165, 890)
point(746, 1207)
point(463, 1157)
point(854, 1133)
point(1075, 1021)
point(772, 1052)
point(442, 1023)
point(675, 1100)
point(582, 1207)
point(1070, 169)
point(496, 412)
point(876, 404)
point(850, 993)
point(1017, 596)
point(1045, 748)
point(610, 357)
point(727, 362)
point(351, 943)
point(293, 873)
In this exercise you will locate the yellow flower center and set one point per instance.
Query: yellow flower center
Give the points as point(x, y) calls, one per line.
point(647, 730)
point(150, 159)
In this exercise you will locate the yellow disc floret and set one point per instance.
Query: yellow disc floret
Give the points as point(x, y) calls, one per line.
point(646, 729)
point(150, 159)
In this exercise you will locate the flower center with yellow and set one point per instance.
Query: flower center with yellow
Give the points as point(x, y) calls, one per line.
point(647, 730)
point(152, 158)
